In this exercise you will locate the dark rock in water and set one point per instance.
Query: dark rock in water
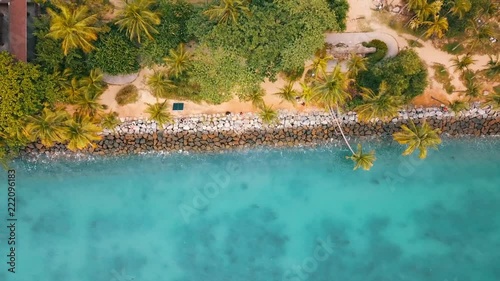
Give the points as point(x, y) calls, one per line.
point(244, 186)
point(375, 181)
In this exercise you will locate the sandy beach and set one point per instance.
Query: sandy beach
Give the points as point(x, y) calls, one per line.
point(362, 17)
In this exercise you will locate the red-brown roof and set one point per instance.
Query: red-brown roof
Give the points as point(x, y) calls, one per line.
point(18, 29)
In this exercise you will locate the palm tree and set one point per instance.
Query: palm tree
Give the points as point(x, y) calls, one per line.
point(88, 103)
point(256, 97)
point(462, 64)
point(362, 160)
point(138, 20)
point(437, 27)
point(158, 112)
point(460, 8)
point(268, 115)
point(74, 26)
point(227, 10)
point(307, 91)
point(478, 33)
point(288, 93)
point(428, 9)
point(93, 82)
point(49, 127)
point(179, 60)
point(331, 93)
point(380, 105)
point(72, 90)
point(493, 67)
point(458, 106)
point(356, 64)
point(473, 88)
point(418, 137)
point(493, 99)
point(414, 5)
point(320, 61)
point(110, 120)
point(81, 132)
point(160, 84)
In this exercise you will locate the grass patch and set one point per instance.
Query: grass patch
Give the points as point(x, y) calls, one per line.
point(414, 43)
point(441, 75)
point(453, 48)
point(127, 95)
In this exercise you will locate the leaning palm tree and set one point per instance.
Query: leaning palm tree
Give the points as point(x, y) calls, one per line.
point(88, 104)
point(158, 112)
point(380, 105)
point(138, 19)
point(462, 64)
point(81, 132)
point(437, 27)
point(227, 11)
point(330, 92)
point(361, 159)
point(356, 64)
point(160, 84)
point(268, 115)
point(74, 26)
point(178, 60)
point(288, 93)
point(49, 127)
point(418, 137)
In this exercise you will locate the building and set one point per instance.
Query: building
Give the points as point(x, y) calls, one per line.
point(16, 28)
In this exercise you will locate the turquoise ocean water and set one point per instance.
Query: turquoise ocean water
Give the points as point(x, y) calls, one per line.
point(260, 215)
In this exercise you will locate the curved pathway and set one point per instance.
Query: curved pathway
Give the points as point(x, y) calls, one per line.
point(355, 38)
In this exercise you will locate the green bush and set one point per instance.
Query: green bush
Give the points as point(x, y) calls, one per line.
point(115, 54)
point(340, 8)
point(379, 54)
point(127, 95)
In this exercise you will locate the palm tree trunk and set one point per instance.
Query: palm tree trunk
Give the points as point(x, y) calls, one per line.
point(340, 128)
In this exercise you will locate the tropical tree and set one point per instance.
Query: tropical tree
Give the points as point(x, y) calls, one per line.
point(268, 115)
point(110, 120)
point(288, 93)
point(331, 93)
point(320, 61)
point(73, 89)
point(227, 11)
point(356, 64)
point(93, 82)
point(478, 33)
point(179, 60)
point(437, 27)
point(88, 104)
point(493, 67)
point(458, 106)
point(159, 113)
point(361, 159)
point(49, 127)
point(462, 64)
point(256, 97)
point(493, 99)
point(81, 132)
point(74, 26)
point(138, 20)
point(418, 137)
point(380, 105)
point(160, 84)
point(307, 91)
point(472, 86)
point(428, 9)
point(460, 8)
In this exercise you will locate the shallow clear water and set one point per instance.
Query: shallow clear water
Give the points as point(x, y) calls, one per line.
point(299, 214)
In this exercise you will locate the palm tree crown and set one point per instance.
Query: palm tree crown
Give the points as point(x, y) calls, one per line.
point(81, 132)
point(158, 112)
point(160, 84)
point(437, 27)
point(380, 105)
point(227, 11)
point(330, 91)
point(74, 26)
point(462, 64)
point(138, 20)
point(418, 137)
point(288, 93)
point(179, 60)
point(268, 115)
point(49, 127)
point(361, 159)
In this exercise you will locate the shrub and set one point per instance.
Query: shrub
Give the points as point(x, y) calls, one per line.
point(126, 95)
point(379, 54)
point(340, 8)
point(115, 54)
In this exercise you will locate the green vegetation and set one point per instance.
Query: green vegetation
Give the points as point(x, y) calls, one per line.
point(138, 20)
point(115, 54)
point(340, 8)
point(268, 115)
point(414, 43)
point(379, 54)
point(159, 113)
point(127, 95)
point(420, 137)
